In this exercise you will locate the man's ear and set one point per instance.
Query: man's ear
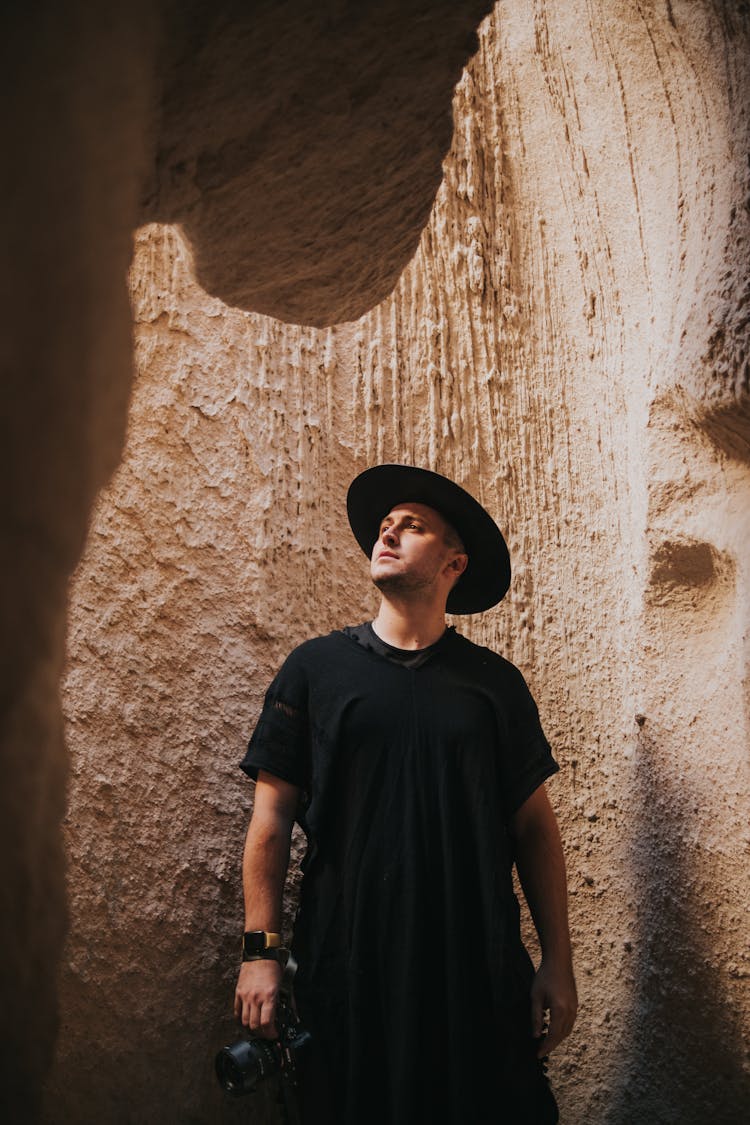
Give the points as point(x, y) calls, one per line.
point(458, 565)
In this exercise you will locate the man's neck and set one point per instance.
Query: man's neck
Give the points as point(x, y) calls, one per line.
point(409, 625)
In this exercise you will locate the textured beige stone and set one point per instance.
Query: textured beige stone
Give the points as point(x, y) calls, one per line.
point(97, 101)
point(300, 144)
point(569, 343)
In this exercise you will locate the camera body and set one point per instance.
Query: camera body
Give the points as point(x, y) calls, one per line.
point(245, 1064)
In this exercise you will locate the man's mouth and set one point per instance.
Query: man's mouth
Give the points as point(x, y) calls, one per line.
point(387, 555)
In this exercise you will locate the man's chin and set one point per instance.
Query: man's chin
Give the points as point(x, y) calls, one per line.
point(381, 572)
point(386, 582)
point(397, 583)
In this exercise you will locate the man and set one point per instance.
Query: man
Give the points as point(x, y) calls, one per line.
point(414, 761)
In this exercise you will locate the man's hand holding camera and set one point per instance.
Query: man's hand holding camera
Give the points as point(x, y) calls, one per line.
point(256, 996)
point(264, 1004)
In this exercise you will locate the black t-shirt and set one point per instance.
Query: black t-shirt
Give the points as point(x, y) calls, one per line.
point(412, 977)
point(406, 657)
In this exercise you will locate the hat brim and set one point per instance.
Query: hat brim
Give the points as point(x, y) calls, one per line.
point(377, 490)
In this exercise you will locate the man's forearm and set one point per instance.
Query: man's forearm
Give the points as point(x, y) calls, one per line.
point(541, 869)
point(264, 867)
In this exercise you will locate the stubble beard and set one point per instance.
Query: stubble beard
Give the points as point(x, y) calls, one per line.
point(401, 584)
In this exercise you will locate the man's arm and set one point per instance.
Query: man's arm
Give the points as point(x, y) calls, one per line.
point(541, 869)
point(264, 867)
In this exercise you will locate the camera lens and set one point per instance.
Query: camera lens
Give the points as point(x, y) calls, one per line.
point(244, 1064)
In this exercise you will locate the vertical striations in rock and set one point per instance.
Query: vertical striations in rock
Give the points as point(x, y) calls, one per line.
point(569, 343)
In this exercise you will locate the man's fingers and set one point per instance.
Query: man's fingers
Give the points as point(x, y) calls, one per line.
point(548, 1044)
point(267, 1025)
point(560, 1026)
point(259, 1016)
point(553, 989)
point(255, 997)
point(537, 1015)
point(263, 1019)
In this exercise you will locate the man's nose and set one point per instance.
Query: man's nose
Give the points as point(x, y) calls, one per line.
point(389, 535)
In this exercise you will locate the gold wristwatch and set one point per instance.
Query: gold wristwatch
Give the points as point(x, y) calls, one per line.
point(259, 945)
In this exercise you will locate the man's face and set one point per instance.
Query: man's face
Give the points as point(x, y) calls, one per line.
point(411, 554)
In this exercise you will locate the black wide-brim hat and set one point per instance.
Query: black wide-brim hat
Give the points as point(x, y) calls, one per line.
point(376, 491)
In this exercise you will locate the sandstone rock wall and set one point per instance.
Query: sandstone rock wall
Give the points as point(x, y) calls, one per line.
point(300, 143)
point(570, 343)
point(211, 115)
point(69, 181)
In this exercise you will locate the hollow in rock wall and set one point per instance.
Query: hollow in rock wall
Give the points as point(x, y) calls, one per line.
point(550, 346)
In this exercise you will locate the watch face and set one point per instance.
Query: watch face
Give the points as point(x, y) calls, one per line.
point(254, 941)
point(257, 941)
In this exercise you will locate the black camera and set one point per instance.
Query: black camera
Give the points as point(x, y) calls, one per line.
point(244, 1065)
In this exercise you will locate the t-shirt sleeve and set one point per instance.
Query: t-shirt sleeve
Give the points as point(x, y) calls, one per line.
point(280, 741)
point(529, 760)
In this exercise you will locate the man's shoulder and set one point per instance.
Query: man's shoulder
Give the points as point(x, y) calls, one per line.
point(316, 647)
point(480, 657)
point(493, 673)
point(303, 664)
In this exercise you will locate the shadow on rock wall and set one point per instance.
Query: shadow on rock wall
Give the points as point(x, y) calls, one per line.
point(686, 1060)
point(513, 355)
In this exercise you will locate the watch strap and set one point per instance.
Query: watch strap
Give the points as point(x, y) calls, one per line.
point(267, 955)
point(260, 943)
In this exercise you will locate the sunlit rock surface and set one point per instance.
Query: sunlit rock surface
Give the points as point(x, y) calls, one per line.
point(570, 341)
point(548, 347)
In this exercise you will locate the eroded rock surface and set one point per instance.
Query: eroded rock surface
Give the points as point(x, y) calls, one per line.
point(549, 347)
point(569, 341)
point(310, 138)
point(301, 144)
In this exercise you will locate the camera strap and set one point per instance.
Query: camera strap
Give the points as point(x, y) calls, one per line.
point(288, 1076)
point(290, 971)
